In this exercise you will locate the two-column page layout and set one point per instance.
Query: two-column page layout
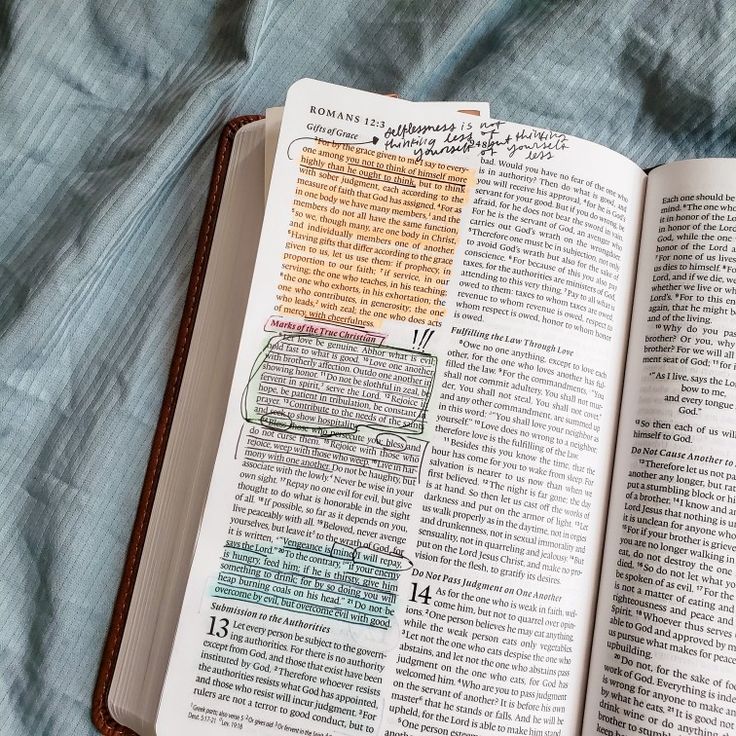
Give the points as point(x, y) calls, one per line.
point(405, 522)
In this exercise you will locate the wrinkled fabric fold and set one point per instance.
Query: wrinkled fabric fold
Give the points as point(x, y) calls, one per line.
point(109, 117)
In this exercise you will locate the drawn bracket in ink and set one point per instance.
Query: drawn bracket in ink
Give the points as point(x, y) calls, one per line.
point(373, 140)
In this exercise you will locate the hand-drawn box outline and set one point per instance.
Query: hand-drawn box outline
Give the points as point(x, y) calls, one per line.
point(284, 423)
point(381, 438)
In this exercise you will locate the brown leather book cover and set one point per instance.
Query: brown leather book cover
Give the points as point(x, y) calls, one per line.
point(101, 716)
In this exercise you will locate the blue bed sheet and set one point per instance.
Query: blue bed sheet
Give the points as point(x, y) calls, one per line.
point(109, 116)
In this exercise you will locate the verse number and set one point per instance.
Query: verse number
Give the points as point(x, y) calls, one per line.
point(219, 627)
point(421, 596)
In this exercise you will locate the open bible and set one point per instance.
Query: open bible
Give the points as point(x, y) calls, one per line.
point(448, 445)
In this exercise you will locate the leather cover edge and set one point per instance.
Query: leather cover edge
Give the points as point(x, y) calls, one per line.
point(101, 716)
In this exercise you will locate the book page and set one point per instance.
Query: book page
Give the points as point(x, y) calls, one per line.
point(664, 659)
point(403, 529)
point(274, 115)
